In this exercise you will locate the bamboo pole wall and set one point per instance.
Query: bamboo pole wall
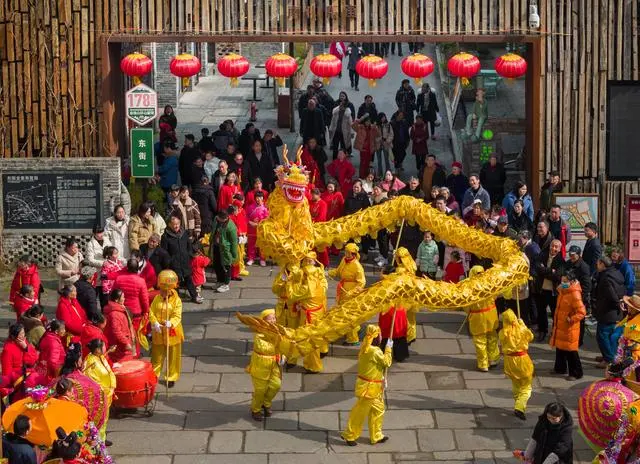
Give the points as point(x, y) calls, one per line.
point(50, 59)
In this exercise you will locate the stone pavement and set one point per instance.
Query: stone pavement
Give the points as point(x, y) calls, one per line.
point(439, 408)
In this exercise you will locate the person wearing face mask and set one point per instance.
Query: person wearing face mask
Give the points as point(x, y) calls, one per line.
point(565, 336)
point(552, 440)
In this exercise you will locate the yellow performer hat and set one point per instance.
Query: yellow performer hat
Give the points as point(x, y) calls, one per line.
point(168, 280)
point(475, 270)
point(267, 312)
point(372, 332)
point(403, 255)
point(352, 248)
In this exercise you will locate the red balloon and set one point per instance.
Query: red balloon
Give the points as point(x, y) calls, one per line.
point(233, 66)
point(372, 67)
point(511, 66)
point(136, 65)
point(417, 66)
point(326, 66)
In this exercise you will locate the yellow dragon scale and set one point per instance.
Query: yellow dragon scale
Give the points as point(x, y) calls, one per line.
point(289, 234)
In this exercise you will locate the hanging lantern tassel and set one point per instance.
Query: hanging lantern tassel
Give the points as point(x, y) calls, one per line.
point(136, 80)
point(326, 80)
point(235, 82)
point(417, 80)
point(372, 82)
point(185, 82)
point(465, 82)
point(281, 81)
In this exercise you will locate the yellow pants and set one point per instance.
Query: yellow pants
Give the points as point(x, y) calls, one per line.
point(411, 326)
point(264, 391)
point(487, 351)
point(241, 267)
point(353, 336)
point(365, 408)
point(312, 361)
point(521, 393)
point(158, 353)
point(103, 429)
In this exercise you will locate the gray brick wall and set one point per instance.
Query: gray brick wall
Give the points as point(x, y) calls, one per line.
point(165, 83)
point(257, 53)
point(43, 245)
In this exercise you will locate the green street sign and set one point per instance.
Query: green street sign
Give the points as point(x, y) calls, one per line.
point(142, 159)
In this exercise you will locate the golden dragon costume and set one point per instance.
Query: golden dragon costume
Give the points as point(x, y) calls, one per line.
point(289, 234)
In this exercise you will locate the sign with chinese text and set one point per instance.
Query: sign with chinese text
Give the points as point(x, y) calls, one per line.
point(48, 200)
point(142, 104)
point(142, 159)
point(577, 209)
point(632, 238)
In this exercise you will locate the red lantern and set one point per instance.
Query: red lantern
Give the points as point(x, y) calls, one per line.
point(464, 65)
point(372, 67)
point(233, 66)
point(417, 66)
point(281, 66)
point(136, 65)
point(185, 65)
point(326, 66)
point(511, 66)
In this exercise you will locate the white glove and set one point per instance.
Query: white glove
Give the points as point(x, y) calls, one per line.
point(156, 327)
point(385, 383)
point(389, 343)
point(283, 361)
point(168, 324)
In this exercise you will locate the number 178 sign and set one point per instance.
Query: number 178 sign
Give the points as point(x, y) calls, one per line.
point(142, 104)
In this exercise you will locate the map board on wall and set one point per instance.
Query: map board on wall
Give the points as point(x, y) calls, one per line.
point(65, 200)
point(577, 210)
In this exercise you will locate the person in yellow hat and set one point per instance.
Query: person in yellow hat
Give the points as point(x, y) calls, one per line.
point(265, 371)
point(352, 281)
point(405, 264)
point(96, 366)
point(165, 317)
point(312, 306)
point(483, 325)
point(370, 384)
point(515, 337)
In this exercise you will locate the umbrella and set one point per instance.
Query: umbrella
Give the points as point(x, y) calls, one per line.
point(46, 417)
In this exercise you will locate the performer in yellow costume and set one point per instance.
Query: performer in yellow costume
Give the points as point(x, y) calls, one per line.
point(352, 282)
point(312, 306)
point(629, 342)
point(289, 286)
point(406, 265)
point(515, 337)
point(370, 383)
point(97, 368)
point(165, 316)
point(483, 325)
point(264, 369)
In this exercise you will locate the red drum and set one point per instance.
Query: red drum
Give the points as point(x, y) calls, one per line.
point(135, 384)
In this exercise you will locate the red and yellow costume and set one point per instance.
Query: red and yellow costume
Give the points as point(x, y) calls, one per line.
point(239, 218)
point(372, 363)
point(483, 325)
point(264, 369)
point(405, 264)
point(515, 337)
point(98, 369)
point(352, 281)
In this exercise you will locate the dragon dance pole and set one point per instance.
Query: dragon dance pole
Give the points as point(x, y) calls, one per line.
point(166, 358)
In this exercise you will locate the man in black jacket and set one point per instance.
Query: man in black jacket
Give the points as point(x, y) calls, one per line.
point(412, 235)
point(156, 256)
point(188, 155)
point(608, 292)
point(260, 166)
point(543, 237)
point(271, 143)
point(492, 178)
point(205, 197)
point(593, 247)
point(358, 200)
point(548, 273)
point(247, 137)
point(552, 439)
point(176, 242)
point(312, 123)
point(16, 448)
point(583, 274)
point(86, 292)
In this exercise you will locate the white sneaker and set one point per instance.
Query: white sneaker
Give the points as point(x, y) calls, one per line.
point(263, 263)
point(250, 262)
point(222, 288)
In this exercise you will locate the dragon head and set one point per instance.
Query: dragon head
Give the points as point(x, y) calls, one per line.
point(292, 178)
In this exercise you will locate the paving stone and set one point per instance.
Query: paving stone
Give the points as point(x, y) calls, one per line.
point(317, 458)
point(144, 459)
point(455, 419)
point(501, 398)
point(435, 399)
point(452, 455)
point(282, 420)
point(502, 383)
point(188, 364)
point(161, 420)
point(436, 440)
point(445, 381)
point(221, 364)
point(440, 330)
point(226, 332)
point(322, 382)
point(243, 458)
point(193, 332)
point(397, 419)
point(249, 305)
point(215, 347)
point(560, 382)
point(399, 440)
point(440, 317)
point(583, 456)
point(256, 293)
point(482, 455)
point(466, 346)
point(225, 442)
point(163, 443)
point(396, 381)
point(270, 441)
point(340, 365)
point(319, 420)
point(235, 383)
point(480, 439)
point(380, 458)
point(190, 382)
point(211, 402)
point(428, 347)
point(500, 418)
point(518, 438)
point(319, 401)
point(435, 363)
point(221, 420)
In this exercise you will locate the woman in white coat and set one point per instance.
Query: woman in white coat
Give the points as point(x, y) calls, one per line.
point(117, 231)
point(340, 130)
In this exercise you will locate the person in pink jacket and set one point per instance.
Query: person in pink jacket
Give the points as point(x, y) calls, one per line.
point(256, 213)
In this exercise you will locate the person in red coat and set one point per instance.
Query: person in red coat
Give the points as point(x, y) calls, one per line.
point(119, 331)
point(26, 274)
point(228, 190)
point(399, 336)
point(318, 209)
point(24, 300)
point(335, 204)
point(18, 355)
point(251, 194)
point(343, 171)
point(135, 292)
point(71, 313)
point(315, 175)
point(94, 330)
point(52, 350)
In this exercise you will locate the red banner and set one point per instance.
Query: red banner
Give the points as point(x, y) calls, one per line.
point(632, 239)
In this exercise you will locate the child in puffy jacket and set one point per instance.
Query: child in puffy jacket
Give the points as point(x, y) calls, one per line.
point(256, 213)
point(198, 264)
